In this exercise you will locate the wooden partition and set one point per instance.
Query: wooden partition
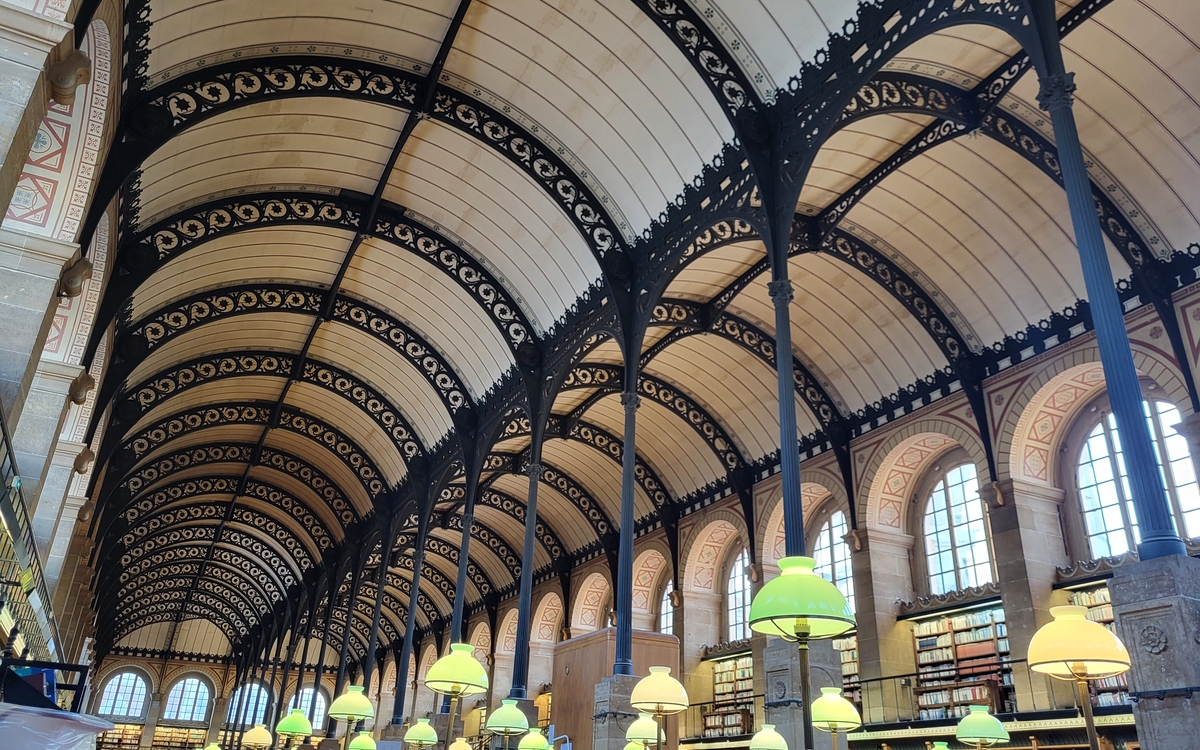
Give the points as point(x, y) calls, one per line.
point(580, 663)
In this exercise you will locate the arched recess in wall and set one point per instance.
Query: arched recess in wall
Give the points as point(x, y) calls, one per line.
point(547, 627)
point(424, 699)
point(1036, 411)
point(895, 466)
point(52, 192)
point(650, 574)
point(506, 645)
point(591, 605)
point(705, 552)
point(481, 641)
point(774, 540)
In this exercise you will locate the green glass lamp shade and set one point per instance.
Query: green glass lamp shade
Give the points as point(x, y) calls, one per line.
point(980, 728)
point(941, 746)
point(634, 746)
point(295, 724)
point(352, 705)
point(213, 746)
point(1073, 647)
point(460, 744)
point(535, 740)
point(363, 741)
point(257, 736)
point(508, 719)
point(768, 739)
point(659, 693)
point(833, 713)
point(644, 729)
point(800, 604)
point(421, 734)
point(458, 673)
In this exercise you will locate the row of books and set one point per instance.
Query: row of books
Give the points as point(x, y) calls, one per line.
point(958, 622)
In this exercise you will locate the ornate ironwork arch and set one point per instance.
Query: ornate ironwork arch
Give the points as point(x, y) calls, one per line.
point(163, 467)
point(248, 587)
point(176, 318)
point(889, 92)
point(610, 377)
point(147, 506)
point(161, 386)
point(250, 521)
point(514, 508)
point(178, 104)
point(151, 248)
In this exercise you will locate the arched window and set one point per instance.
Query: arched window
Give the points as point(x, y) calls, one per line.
point(124, 696)
point(254, 706)
point(187, 701)
point(737, 598)
point(666, 612)
point(1108, 518)
point(304, 701)
point(833, 555)
point(956, 540)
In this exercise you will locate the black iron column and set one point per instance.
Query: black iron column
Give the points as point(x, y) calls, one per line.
point(623, 664)
point(520, 669)
point(410, 622)
point(1055, 95)
point(345, 652)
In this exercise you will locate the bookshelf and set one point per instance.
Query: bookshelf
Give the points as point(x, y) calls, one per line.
point(959, 663)
point(847, 648)
point(1111, 691)
point(732, 712)
point(178, 738)
point(121, 736)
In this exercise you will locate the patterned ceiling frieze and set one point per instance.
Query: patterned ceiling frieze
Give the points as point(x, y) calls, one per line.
point(144, 396)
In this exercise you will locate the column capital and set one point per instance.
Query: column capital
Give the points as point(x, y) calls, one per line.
point(28, 32)
point(631, 401)
point(1005, 492)
point(1056, 91)
point(781, 291)
point(535, 469)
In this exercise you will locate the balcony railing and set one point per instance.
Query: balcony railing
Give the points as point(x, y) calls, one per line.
point(23, 596)
point(1009, 687)
point(723, 720)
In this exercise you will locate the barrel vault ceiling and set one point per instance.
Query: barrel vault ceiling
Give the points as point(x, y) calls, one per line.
point(336, 269)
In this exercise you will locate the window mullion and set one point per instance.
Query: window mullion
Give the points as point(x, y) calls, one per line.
point(1123, 505)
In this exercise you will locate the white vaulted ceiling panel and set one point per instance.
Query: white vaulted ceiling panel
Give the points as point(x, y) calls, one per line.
point(316, 141)
point(504, 218)
point(604, 81)
point(185, 35)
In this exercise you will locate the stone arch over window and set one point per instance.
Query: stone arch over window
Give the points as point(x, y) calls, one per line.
point(591, 605)
point(705, 551)
point(547, 627)
point(125, 695)
point(894, 467)
point(189, 700)
point(1036, 410)
point(650, 568)
point(774, 541)
point(481, 641)
point(508, 628)
point(56, 182)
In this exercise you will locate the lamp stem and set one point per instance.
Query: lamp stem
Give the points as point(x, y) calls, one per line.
point(1085, 704)
point(805, 694)
point(658, 730)
point(450, 726)
point(833, 738)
